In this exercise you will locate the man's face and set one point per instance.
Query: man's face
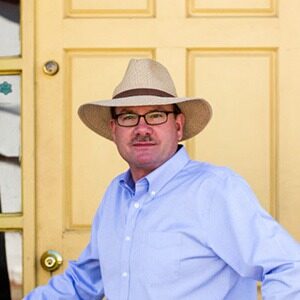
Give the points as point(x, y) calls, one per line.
point(146, 147)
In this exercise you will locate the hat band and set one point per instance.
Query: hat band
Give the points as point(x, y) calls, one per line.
point(142, 92)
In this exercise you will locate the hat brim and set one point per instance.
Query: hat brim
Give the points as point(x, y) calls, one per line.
point(96, 115)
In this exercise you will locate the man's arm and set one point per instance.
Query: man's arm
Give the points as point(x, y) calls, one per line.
point(248, 239)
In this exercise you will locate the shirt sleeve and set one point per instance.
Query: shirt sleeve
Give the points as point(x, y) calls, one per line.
point(81, 280)
point(250, 241)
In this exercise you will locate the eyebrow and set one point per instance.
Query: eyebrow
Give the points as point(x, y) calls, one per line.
point(130, 111)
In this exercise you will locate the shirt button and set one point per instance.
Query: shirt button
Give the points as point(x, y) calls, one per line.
point(124, 274)
point(136, 205)
point(153, 193)
point(127, 238)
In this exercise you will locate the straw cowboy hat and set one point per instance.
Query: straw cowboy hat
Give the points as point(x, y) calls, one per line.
point(146, 82)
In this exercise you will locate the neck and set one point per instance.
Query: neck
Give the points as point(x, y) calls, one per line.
point(137, 174)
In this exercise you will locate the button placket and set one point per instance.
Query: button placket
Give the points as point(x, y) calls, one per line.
point(133, 212)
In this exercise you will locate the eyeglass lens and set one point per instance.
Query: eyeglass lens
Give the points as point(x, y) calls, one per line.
point(151, 118)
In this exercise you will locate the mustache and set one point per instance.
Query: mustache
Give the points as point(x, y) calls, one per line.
point(142, 138)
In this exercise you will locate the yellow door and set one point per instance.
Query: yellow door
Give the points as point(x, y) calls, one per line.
point(243, 56)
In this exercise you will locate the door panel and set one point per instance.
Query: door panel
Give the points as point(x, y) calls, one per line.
point(86, 153)
point(233, 7)
point(244, 100)
point(108, 8)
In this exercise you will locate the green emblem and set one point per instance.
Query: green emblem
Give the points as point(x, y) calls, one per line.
point(5, 88)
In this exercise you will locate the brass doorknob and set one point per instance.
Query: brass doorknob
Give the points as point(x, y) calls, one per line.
point(51, 260)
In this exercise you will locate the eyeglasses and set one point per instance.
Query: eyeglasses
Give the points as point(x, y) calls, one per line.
point(151, 118)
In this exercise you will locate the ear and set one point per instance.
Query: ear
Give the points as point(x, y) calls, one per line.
point(180, 120)
point(112, 125)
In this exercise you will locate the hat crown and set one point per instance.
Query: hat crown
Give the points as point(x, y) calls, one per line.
point(146, 74)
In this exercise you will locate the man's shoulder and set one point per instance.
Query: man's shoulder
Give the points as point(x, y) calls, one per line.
point(211, 170)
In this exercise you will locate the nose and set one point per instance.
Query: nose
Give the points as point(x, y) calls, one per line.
point(142, 127)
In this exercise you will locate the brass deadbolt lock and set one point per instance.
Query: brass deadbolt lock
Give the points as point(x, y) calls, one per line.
point(51, 260)
point(51, 67)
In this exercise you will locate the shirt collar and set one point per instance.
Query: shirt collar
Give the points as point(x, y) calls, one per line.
point(157, 179)
point(126, 181)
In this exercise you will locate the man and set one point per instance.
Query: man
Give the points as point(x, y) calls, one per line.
point(171, 228)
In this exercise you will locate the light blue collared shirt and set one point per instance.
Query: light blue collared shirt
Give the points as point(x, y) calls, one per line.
point(187, 231)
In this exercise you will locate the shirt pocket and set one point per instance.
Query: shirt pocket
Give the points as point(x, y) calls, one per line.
point(161, 253)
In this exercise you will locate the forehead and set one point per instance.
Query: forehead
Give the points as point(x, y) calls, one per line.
point(143, 109)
